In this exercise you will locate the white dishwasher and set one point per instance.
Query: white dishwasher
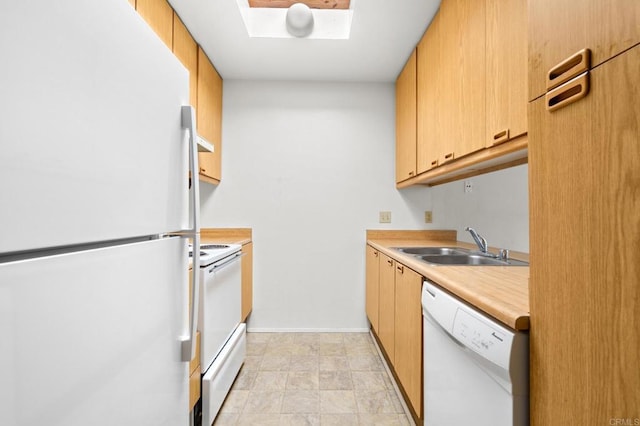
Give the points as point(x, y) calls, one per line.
point(476, 371)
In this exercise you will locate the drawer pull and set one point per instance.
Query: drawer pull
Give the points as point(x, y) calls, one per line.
point(572, 66)
point(434, 163)
point(390, 262)
point(568, 93)
point(401, 269)
point(500, 137)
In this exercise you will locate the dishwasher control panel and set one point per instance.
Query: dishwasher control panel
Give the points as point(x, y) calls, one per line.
point(486, 339)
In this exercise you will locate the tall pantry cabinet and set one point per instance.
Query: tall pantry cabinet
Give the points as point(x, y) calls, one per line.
point(584, 157)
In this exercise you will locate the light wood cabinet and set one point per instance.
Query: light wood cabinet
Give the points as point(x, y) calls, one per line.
point(209, 118)
point(429, 74)
point(394, 309)
point(462, 64)
point(194, 364)
point(560, 28)
point(584, 168)
point(132, 3)
point(372, 287)
point(185, 49)
point(247, 280)
point(386, 309)
point(506, 98)
point(159, 16)
point(408, 334)
point(406, 121)
point(471, 91)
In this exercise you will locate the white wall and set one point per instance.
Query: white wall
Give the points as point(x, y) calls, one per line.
point(498, 208)
point(308, 166)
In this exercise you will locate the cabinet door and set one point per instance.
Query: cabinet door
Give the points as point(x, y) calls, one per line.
point(186, 50)
point(506, 27)
point(386, 317)
point(462, 55)
point(406, 121)
point(408, 334)
point(372, 287)
point(560, 28)
point(247, 280)
point(159, 16)
point(209, 116)
point(429, 76)
point(584, 165)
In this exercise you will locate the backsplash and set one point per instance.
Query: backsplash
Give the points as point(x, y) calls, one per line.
point(497, 207)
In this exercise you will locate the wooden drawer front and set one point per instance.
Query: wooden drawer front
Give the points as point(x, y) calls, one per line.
point(194, 389)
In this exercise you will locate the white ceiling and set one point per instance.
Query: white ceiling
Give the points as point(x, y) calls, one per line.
point(383, 34)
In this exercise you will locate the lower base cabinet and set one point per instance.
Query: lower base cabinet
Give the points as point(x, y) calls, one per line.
point(194, 378)
point(408, 334)
point(399, 328)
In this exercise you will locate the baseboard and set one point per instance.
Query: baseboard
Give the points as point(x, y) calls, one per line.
point(306, 330)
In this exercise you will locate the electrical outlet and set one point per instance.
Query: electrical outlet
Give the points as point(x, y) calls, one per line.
point(468, 187)
point(428, 216)
point(385, 217)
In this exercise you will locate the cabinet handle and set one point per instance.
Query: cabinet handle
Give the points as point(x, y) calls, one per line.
point(500, 137)
point(410, 174)
point(434, 163)
point(401, 269)
point(448, 157)
point(568, 93)
point(572, 66)
point(390, 262)
point(375, 253)
point(202, 170)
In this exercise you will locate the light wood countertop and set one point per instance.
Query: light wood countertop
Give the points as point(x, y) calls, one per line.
point(225, 236)
point(500, 291)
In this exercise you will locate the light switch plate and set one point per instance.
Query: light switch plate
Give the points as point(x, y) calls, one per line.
point(385, 217)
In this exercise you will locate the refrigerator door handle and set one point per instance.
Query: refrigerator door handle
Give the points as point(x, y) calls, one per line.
point(189, 123)
point(188, 343)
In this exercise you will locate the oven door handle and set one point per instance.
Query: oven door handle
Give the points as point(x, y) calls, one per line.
point(220, 266)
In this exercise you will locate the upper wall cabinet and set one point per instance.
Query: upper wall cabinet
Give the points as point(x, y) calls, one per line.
point(506, 70)
point(406, 121)
point(428, 108)
point(560, 28)
point(209, 118)
point(471, 91)
point(186, 50)
point(462, 64)
point(159, 16)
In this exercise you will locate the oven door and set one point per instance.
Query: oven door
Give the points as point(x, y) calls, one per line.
point(220, 306)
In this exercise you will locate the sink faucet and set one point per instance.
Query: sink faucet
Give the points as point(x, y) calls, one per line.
point(481, 242)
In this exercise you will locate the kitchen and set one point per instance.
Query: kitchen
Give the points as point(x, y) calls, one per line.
point(308, 165)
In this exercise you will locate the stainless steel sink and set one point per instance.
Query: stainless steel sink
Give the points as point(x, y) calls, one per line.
point(432, 250)
point(470, 259)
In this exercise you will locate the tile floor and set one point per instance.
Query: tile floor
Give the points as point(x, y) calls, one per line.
point(312, 379)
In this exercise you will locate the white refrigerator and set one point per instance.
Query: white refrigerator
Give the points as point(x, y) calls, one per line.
point(94, 181)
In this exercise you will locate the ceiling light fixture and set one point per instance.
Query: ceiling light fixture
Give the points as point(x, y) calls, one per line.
point(299, 20)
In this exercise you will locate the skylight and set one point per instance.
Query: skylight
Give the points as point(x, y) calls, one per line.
point(332, 18)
